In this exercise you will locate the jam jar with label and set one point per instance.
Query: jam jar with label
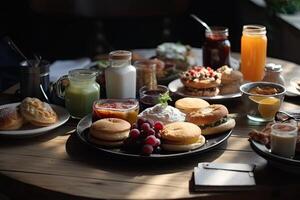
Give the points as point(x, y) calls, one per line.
point(216, 48)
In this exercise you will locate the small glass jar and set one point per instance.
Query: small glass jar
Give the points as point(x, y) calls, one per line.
point(120, 76)
point(81, 92)
point(216, 48)
point(273, 74)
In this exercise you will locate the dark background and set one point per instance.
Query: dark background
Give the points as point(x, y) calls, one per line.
point(67, 29)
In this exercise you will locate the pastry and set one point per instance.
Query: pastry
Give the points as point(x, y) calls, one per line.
point(231, 80)
point(187, 105)
point(212, 119)
point(109, 132)
point(201, 81)
point(37, 112)
point(10, 118)
point(181, 136)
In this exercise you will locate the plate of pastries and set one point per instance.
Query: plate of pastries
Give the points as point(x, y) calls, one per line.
point(206, 83)
point(30, 117)
point(191, 127)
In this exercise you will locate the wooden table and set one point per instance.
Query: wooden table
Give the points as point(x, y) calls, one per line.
point(58, 166)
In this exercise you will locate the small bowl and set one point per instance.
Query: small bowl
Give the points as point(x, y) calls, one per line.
point(126, 109)
point(261, 107)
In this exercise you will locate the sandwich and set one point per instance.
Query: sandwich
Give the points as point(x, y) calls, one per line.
point(201, 81)
point(212, 119)
point(181, 136)
point(188, 104)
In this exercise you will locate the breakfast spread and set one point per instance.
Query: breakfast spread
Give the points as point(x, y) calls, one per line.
point(201, 81)
point(188, 104)
point(181, 136)
point(165, 114)
point(126, 109)
point(109, 132)
point(212, 119)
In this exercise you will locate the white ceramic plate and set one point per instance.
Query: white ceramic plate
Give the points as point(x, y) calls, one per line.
point(29, 130)
point(177, 87)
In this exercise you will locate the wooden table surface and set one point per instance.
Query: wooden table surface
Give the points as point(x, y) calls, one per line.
point(57, 165)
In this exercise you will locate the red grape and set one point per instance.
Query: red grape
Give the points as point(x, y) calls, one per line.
point(141, 121)
point(150, 122)
point(134, 133)
point(157, 142)
point(158, 126)
point(147, 149)
point(158, 135)
point(151, 140)
point(133, 126)
point(151, 131)
point(145, 127)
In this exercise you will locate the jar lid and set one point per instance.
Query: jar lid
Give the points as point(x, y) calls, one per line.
point(82, 74)
point(273, 67)
point(120, 55)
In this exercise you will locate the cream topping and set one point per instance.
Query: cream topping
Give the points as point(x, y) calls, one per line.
point(164, 114)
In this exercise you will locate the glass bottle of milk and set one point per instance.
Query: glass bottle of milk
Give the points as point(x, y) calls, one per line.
point(120, 76)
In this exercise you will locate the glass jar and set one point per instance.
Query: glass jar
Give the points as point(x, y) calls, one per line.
point(253, 52)
point(81, 92)
point(120, 76)
point(273, 74)
point(216, 48)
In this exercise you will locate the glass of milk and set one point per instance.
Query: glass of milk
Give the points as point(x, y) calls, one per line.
point(283, 139)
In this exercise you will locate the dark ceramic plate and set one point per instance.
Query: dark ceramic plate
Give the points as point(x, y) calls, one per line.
point(211, 143)
point(286, 164)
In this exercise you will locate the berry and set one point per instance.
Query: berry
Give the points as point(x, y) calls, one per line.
point(133, 126)
point(134, 133)
point(151, 131)
point(147, 149)
point(150, 122)
point(157, 142)
point(158, 126)
point(151, 140)
point(158, 135)
point(145, 127)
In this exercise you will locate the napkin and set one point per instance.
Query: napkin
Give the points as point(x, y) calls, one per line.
point(223, 177)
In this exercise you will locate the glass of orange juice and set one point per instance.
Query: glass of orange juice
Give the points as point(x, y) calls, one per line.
point(253, 52)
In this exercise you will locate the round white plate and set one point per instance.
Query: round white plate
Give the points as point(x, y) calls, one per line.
point(177, 87)
point(30, 130)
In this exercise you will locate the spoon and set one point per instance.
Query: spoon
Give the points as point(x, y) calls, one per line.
point(201, 22)
point(16, 49)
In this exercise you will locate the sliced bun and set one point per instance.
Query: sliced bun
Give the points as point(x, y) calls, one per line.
point(187, 105)
point(207, 114)
point(230, 124)
point(10, 119)
point(184, 147)
point(110, 144)
point(208, 92)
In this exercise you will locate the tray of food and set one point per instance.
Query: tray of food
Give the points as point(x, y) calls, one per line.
point(31, 117)
point(160, 132)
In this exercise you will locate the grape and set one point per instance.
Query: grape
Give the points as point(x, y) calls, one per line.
point(145, 127)
point(151, 131)
point(140, 121)
point(158, 126)
point(151, 140)
point(157, 142)
point(134, 133)
point(147, 149)
point(150, 122)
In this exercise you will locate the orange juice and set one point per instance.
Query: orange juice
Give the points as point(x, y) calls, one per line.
point(253, 52)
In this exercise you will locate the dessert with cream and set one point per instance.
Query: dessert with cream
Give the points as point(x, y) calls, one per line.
point(165, 114)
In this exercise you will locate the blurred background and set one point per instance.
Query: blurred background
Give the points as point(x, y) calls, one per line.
point(70, 29)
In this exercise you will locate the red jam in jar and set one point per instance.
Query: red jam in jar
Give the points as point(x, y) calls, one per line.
point(216, 48)
point(126, 109)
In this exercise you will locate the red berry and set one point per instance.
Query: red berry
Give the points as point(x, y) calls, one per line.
point(157, 142)
point(158, 135)
point(150, 122)
point(147, 149)
point(134, 133)
point(151, 140)
point(141, 121)
point(145, 127)
point(158, 126)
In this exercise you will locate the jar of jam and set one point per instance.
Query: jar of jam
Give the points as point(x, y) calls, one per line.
point(216, 48)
